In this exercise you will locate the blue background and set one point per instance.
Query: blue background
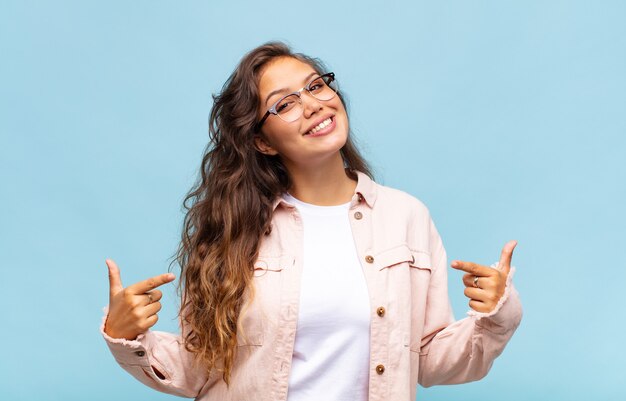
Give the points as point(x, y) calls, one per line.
point(506, 118)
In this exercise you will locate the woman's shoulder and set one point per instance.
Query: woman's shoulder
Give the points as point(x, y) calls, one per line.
point(400, 200)
point(390, 201)
point(401, 218)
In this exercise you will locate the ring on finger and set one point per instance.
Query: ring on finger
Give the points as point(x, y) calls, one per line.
point(476, 281)
point(149, 298)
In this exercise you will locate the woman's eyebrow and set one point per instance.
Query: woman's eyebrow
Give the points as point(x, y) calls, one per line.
point(284, 90)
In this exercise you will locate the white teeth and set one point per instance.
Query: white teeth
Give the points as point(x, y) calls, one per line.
point(321, 125)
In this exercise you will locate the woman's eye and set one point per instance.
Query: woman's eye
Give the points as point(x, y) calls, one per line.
point(284, 105)
point(316, 85)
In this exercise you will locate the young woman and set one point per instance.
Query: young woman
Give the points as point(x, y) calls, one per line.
point(303, 279)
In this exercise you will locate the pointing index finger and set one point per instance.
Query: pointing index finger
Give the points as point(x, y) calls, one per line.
point(472, 268)
point(153, 282)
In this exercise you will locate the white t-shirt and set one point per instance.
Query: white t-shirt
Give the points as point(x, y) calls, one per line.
point(331, 352)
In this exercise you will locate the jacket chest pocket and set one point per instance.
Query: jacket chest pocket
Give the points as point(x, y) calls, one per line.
point(421, 270)
point(408, 277)
point(407, 265)
point(403, 255)
point(257, 316)
point(266, 264)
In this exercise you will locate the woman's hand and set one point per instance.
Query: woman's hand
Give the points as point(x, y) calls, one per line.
point(132, 310)
point(484, 286)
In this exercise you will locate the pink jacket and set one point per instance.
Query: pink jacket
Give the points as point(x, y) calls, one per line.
point(413, 336)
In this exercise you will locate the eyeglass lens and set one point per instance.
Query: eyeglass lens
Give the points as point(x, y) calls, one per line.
point(322, 88)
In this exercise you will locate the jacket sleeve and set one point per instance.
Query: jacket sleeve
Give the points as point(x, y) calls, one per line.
point(158, 360)
point(462, 351)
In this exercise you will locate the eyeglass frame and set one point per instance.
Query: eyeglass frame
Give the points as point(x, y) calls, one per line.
point(272, 110)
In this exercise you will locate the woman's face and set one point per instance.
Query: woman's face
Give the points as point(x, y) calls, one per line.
point(295, 142)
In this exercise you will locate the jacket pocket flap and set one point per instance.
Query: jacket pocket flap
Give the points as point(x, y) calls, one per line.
point(393, 256)
point(272, 263)
point(421, 260)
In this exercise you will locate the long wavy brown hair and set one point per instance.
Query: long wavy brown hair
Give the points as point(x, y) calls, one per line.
point(228, 209)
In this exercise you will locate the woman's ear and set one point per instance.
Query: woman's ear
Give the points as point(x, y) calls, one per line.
point(263, 146)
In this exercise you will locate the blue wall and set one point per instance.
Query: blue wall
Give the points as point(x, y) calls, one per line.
point(506, 118)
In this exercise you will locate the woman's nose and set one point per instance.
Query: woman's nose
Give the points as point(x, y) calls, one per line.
point(310, 105)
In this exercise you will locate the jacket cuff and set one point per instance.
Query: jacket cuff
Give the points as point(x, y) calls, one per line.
point(508, 311)
point(122, 341)
point(126, 352)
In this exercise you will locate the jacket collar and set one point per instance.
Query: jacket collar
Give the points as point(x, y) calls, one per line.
point(365, 190)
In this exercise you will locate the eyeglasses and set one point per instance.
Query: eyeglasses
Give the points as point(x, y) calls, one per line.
point(289, 108)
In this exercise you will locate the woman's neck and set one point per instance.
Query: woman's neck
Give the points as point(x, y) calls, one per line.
point(324, 184)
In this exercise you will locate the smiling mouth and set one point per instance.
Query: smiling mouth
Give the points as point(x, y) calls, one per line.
point(320, 126)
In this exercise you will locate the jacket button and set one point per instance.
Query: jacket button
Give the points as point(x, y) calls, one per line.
point(140, 353)
point(380, 311)
point(360, 197)
point(358, 215)
point(380, 369)
point(369, 259)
